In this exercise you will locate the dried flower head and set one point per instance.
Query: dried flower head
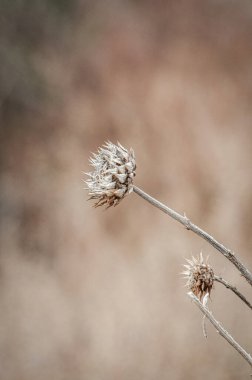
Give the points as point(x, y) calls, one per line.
point(112, 178)
point(200, 276)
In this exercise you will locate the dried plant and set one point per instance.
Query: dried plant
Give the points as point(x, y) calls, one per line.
point(200, 276)
point(112, 179)
point(200, 279)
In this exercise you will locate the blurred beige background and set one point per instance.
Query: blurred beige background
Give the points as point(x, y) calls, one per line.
point(89, 294)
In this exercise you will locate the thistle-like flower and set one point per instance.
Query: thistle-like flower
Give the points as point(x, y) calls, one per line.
point(112, 178)
point(200, 277)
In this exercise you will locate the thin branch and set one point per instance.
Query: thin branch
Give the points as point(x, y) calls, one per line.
point(233, 288)
point(221, 329)
point(204, 235)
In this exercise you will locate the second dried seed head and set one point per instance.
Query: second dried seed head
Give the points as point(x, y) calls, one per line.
point(200, 276)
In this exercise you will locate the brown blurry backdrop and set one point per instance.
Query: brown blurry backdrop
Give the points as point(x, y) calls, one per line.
point(95, 295)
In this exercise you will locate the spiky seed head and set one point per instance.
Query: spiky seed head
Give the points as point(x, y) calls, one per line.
point(200, 276)
point(112, 178)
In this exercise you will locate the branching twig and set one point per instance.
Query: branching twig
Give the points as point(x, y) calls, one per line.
point(192, 227)
point(233, 288)
point(220, 329)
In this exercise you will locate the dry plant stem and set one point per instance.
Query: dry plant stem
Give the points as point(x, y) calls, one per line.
point(220, 329)
point(233, 288)
point(204, 235)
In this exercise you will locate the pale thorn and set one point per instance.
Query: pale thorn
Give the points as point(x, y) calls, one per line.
point(121, 177)
point(121, 169)
point(132, 153)
point(111, 170)
point(129, 165)
point(125, 155)
point(185, 273)
point(108, 178)
point(201, 258)
point(188, 266)
point(195, 261)
point(119, 193)
point(109, 193)
point(122, 147)
point(190, 262)
point(205, 299)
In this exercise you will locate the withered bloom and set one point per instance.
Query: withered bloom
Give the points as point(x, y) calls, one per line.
point(200, 276)
point(112, 178)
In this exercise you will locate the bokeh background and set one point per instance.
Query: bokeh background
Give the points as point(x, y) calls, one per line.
point(89, 294)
